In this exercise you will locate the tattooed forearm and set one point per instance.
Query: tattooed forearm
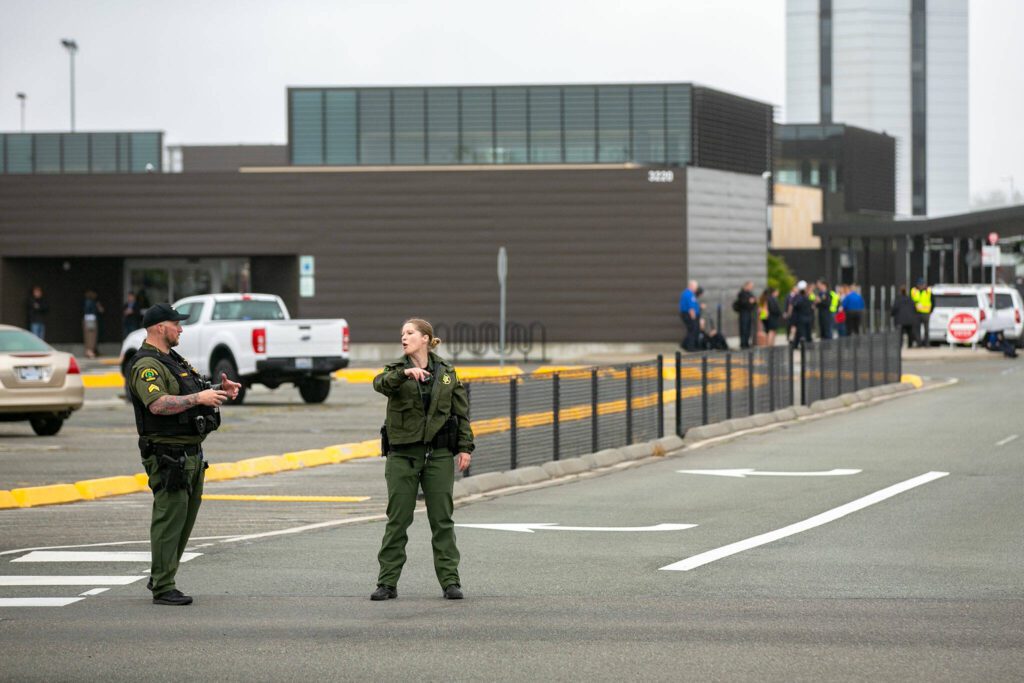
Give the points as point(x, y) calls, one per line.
point(172, 405)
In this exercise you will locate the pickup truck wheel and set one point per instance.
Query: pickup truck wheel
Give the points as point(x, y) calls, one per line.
point(47, 425)
point(227, 367)
point(315, 389)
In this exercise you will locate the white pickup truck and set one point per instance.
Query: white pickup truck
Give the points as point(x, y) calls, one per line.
point(251, 338)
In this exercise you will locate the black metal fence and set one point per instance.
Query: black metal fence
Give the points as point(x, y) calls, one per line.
point(719, 386)
point(838, 366)
point(531, 419)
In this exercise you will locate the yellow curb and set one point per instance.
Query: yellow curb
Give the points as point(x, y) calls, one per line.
point(914, 380)
point(107, 486)
point(143, 480)
point(107, 380)
point(219, 471)
point(267, 464)
point(357, 375)
point(7, 500)
point(46, 495)
point(311, 458)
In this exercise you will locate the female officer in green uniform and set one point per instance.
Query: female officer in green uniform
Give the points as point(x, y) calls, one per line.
point(427, 424)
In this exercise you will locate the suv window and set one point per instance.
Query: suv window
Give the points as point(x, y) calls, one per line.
point(955, 301)
point(1003, 301)
point(247, 310)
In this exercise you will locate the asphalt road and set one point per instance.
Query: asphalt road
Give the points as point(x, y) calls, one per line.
point(918, 584)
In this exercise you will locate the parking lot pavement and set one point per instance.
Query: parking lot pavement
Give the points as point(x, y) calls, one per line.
point(100, 439)
point(920, 585)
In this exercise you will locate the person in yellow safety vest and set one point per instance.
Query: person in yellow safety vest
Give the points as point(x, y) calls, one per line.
point(827, 303)
point(921, 295)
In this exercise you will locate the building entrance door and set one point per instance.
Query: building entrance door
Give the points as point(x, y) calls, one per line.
point(156, 280)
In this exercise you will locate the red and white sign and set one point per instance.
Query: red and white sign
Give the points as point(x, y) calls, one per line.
point(962, 328)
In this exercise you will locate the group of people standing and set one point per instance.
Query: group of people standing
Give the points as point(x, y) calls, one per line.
point(93, 310)
point(837, 312)
point(910, 313)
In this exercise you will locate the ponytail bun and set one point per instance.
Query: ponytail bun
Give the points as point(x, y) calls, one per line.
point(434, 342)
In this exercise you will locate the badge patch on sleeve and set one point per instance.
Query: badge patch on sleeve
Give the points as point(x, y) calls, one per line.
point(148, 375)
point(152, 388)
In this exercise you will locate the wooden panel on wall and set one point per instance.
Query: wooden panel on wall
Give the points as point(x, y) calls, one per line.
point(594, 255)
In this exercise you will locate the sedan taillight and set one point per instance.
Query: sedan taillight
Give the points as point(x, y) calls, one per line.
point(259, 340)
point(73, 367)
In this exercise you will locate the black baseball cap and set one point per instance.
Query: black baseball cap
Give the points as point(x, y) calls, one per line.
point(161, 313)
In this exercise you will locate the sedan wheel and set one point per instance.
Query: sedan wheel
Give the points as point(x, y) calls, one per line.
point(46, 426)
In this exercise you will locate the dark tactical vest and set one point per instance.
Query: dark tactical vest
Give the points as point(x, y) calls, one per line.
point(196, 420)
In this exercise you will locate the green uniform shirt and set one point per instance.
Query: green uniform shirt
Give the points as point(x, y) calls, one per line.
point(151, 379)
point(416, 412)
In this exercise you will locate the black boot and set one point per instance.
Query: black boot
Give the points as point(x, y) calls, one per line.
point(172, 597)
point(384, 593)
point(453, 592)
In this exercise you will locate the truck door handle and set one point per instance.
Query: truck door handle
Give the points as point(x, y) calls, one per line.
point(306, 337)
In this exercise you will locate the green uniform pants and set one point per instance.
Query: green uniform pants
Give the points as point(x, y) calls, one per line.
point(406, 471)
point(174, 515)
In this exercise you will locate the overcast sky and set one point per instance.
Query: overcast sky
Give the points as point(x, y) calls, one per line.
point(215, 71)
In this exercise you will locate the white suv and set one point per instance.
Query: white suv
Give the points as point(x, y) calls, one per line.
point(951, 300)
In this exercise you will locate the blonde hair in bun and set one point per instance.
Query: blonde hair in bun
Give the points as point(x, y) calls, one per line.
point(423, 327)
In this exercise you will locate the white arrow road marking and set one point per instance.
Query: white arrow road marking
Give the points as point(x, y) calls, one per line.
point(809, 523)
point(38, 602)
point(59, 556)
point(1008, 439)
point(529, 527)
point(39, 580)
point(750, 472)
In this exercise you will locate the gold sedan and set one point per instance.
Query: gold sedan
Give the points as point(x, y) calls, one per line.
point(37, 382)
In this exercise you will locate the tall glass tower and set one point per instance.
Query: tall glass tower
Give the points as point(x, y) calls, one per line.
point(896, 66)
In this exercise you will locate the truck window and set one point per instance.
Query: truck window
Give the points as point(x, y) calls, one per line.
point(192, 310)
point(956, 301)
point(247, 310)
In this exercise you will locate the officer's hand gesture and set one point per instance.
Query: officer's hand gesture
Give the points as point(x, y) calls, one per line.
point(418, 374)
point(231, 388)
point(462, 461)
point(212, 397)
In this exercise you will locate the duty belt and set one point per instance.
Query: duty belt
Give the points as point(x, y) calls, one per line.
point(148, 447)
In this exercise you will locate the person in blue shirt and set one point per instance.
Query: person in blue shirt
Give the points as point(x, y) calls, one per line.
point(853, 305)
point(689, 313)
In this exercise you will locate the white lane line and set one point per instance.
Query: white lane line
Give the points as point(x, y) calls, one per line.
point(309, 527)
point(94, 591)
point(18, 551)
point(38, 602)
point(809, 523)
point(63, 556)
point(40, 580)
point(1008, 439)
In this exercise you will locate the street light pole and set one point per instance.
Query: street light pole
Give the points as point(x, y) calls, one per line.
point(72, 47)
point(21, 97)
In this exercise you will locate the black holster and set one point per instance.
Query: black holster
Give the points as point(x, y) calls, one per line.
point(385, 443)
point(170, 464)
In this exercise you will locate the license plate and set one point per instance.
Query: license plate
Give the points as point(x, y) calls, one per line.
point(32, 373)
point(304, 363)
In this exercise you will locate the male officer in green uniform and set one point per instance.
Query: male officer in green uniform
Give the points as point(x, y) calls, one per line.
point(427, 425)
point(175, 408)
